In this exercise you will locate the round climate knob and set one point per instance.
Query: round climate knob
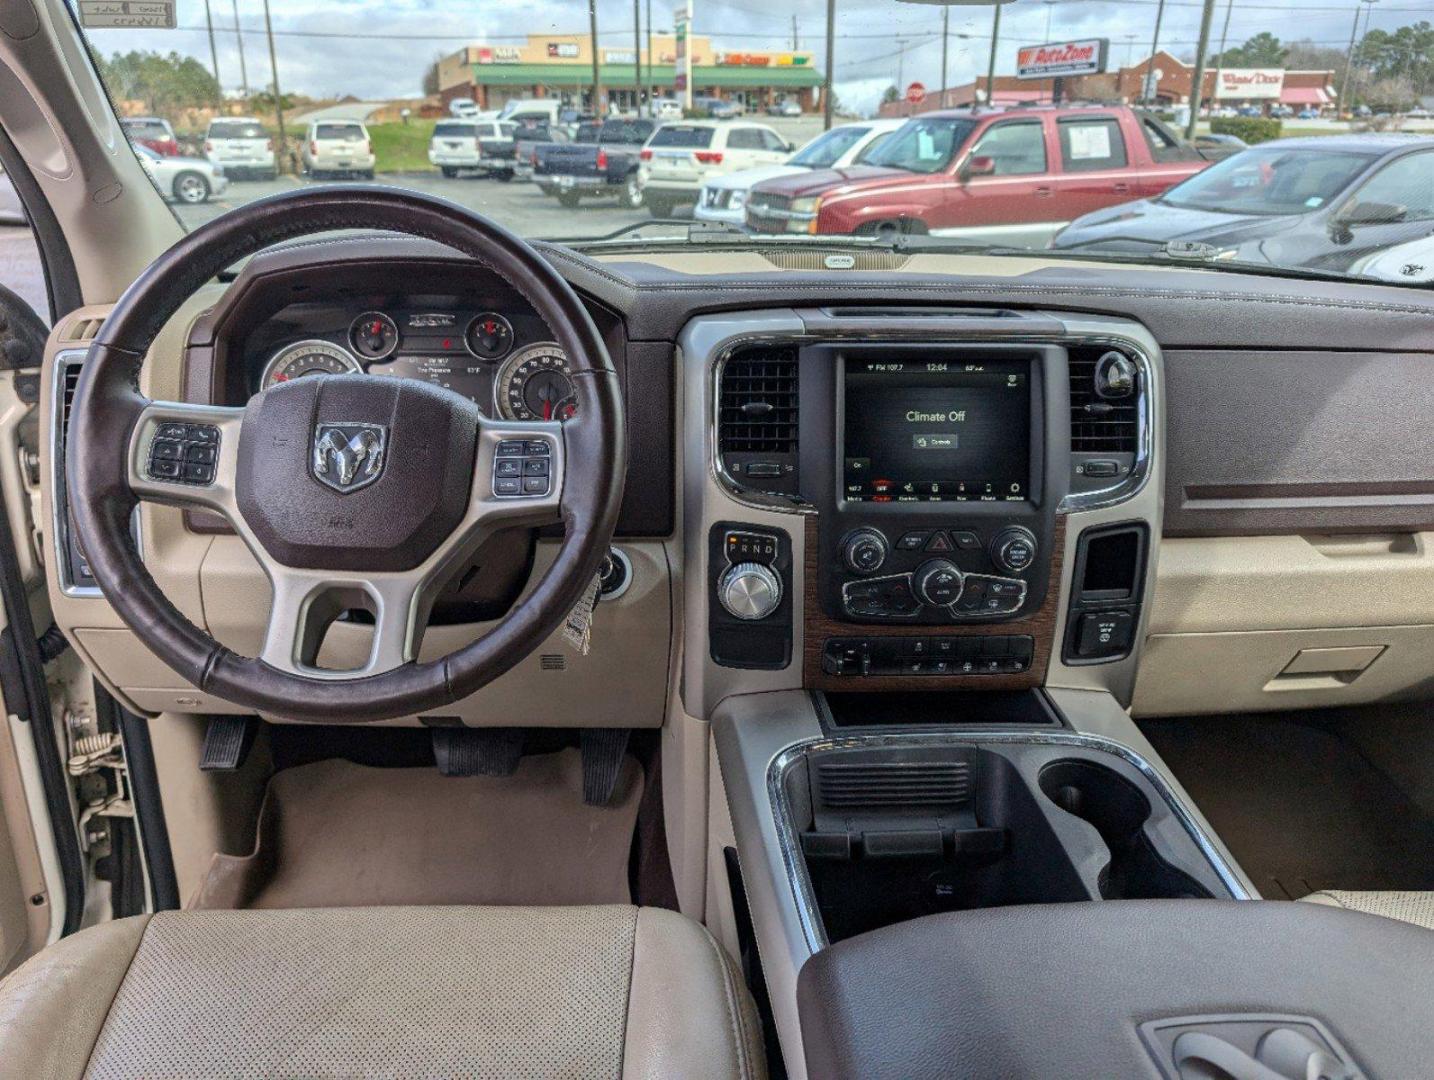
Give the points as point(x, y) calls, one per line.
point(864, 551)
point(938, 583)
point(749, 591)
point(1014, 549)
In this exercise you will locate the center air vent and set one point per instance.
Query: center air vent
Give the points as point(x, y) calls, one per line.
point(757, 418)
point(1099, 424)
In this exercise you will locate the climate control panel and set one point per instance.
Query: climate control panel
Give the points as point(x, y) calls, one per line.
point(935, 575)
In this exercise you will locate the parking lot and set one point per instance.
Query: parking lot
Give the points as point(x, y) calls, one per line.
point(519, 205)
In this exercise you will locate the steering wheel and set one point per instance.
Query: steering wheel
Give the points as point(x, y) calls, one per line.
point(352, 491)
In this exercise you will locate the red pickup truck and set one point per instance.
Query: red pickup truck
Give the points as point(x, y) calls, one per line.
point(1013, 176)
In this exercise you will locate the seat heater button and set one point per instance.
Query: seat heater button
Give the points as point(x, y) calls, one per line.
point(508, 467)
point(535, 485)
point(510, 449)
point(535, 468)
point(507, 485)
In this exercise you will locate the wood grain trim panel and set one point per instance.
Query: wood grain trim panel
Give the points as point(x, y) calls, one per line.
point(1041, 625)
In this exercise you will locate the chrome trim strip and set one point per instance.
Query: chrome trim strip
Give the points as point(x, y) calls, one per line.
point(804, 897)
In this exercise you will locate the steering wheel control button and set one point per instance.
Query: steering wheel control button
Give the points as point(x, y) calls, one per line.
point(864, 551)
point(184, 453)
point(938, 583)
point(522, 468)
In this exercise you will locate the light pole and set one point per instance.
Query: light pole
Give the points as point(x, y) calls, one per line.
point(991, 65)
point(1147, 91)
point(243, 68)
point(637, 59)
point(1050, 10)
point(213, 52)
point(945, 49)
point(651, 80)
point(274, 67)
point(1220, 60)
point(1198, 88)
point(831, 62)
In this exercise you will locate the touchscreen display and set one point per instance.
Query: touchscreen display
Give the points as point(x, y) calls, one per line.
point(937, 431)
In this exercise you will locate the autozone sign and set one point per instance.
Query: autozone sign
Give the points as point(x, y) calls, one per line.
point(1242, 83)
point(1062, 58)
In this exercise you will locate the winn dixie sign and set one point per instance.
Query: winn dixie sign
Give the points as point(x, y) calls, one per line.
point(1246, 83)
point(1064, 58)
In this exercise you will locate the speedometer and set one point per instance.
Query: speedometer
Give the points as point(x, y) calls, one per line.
point(308, 358)
point(536, 384)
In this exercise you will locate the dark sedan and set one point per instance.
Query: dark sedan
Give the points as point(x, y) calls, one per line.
point(1319, 203)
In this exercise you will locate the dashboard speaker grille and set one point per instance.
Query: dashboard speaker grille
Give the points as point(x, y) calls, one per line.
point(1098, 426)
point(891, 785)
point(757, 409)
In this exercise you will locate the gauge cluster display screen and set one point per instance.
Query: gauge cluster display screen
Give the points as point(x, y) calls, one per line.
point(936, 431)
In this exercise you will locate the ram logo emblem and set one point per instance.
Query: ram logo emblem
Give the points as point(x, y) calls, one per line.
point(349, 456)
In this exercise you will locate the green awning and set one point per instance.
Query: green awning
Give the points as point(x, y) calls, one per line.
point(734, 75)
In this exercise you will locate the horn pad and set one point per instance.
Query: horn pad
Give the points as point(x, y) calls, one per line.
point(355, 472)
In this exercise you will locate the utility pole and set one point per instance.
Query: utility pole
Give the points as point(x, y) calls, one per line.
point(213, 52)
point(991, 67)
point(831, 63)
point(794, 33)
point(637, 60)
point(1349, 61)
point(243, 68)
point(1224, 37)
point(1148, 90)
point(901, 65)
point(274, 66)
point(1198, 88)
point(651, 79)
point(597, 76)
point(945, 49)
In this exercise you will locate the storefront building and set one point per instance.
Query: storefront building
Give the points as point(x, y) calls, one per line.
point(1173, 82)
point(561, 65)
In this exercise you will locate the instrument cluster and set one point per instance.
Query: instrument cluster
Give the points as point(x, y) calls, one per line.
point(510, 373)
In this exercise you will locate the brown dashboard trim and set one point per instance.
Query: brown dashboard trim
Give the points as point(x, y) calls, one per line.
point(1041, 625)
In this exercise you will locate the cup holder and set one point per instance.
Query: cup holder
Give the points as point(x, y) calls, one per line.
point(1118, 811)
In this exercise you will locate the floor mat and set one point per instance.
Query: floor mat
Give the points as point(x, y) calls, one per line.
point(1298, 801)
point(336, 834)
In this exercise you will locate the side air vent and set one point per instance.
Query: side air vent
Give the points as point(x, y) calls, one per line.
point(83, 329)
point(757, 418)
point(1101, 422)
point(876, 786)
point(75, 576)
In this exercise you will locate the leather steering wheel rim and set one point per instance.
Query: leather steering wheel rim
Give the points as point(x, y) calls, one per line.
point(108, 406)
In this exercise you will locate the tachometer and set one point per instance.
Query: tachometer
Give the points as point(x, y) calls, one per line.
point(308, 358)
point(536, 384)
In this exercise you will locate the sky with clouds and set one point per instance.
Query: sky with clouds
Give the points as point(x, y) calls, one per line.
point(378, 49)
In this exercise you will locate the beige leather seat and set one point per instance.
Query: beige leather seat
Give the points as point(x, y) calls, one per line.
point(393, 992)
point(1410, 907)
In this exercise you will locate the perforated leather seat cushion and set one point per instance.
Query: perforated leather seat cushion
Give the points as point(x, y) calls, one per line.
point(383, 992)
point(1410, 907)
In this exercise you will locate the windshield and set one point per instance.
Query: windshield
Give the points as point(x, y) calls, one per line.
point(1119, 131)
point(924, 145)
point(824, 150)
point(1271, 180)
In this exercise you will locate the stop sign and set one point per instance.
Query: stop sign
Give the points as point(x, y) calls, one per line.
point(916, 93)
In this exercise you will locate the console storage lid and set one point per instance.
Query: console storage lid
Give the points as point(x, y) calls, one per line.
point(1087, 990)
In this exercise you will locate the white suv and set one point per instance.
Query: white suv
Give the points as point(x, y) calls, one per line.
point(679, 157)
point(338, 146)
point(242, 147)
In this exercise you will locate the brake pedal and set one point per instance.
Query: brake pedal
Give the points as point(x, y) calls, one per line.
point(463, 751)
